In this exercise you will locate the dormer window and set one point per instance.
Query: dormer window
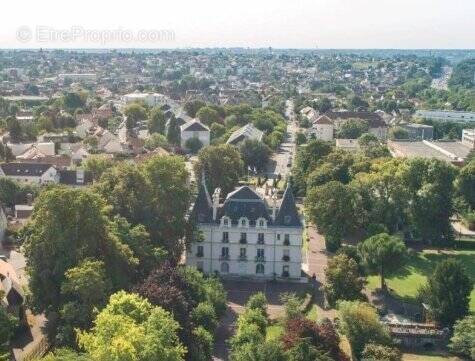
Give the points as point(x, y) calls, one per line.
point(261, 223)
point(225, 222)
point(243, 222)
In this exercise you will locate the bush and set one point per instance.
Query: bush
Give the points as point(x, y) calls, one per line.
point(194, 145)
point(204, 315)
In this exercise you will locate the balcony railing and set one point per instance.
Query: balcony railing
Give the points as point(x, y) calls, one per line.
point(286, 258)
point(243, 240)
point(286, 242)
point(200, 255)
point(225, 240)
point(260, 241)
point(260, 259)
point(242, 258)
point(224, 257)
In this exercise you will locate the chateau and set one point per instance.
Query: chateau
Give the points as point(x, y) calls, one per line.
point(244, 236)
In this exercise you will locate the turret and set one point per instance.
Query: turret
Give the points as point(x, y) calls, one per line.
point(216, 195)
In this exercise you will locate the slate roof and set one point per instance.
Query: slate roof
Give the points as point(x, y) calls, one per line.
point(288, 215)
point(25, 169)
point(245, 202)
point(69, 177)
point(249, 131)
point(374, 120)
point(323, 119)
point(194, 126)
point(202, 211)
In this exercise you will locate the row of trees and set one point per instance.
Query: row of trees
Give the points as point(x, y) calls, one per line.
point(302, 339)
point(348, 192)
point(124, 233)
point(446, 292)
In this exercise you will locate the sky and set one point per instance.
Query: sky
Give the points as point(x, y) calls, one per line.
point(407, 24)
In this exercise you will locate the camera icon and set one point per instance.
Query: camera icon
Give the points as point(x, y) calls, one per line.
point(24, 34)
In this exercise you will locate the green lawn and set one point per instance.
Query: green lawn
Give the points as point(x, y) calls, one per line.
point(406, 282)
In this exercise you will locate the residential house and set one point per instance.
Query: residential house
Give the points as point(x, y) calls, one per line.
point(34, 173)
point(194, 129)
point(249, 131)
point(244, 236)
point(322, 128)
point(376, 124)
point(10, 289)
point(419, 131)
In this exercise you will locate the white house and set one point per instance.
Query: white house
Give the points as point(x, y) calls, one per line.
point(151, 99)
point(194, 129)
point(323, 128)
point(245, 237)
point(33, 173)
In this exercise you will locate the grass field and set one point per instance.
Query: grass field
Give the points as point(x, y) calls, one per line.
point(419, 266)
point(429, 357)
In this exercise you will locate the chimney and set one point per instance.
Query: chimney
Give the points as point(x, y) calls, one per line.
point(216, 195)
point(29, 199)
point(80, 176)
point(274, 204)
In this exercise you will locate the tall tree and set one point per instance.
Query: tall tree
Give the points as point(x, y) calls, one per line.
point(156, 122)
point(221, 165)
point(130, 328)
point(134, 113)
point(360, 323)
point(382, 254)
point(342, 280)
point(447, 292)
point(208, 115)
point(463, 339)
point(466, 183)
point(255, 154)
point(66, 227)
point(333, 209)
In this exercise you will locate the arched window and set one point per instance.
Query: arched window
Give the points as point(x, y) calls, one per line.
point(243, 222)
point(261, 223)
point(224, 267)
point(260, 268)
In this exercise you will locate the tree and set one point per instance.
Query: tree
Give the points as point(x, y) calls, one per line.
point(430, 185)
point(304, 351)
point(398, 133)
point(8, 325)
point(353, 129)
point(68, 226)
point(465, 183)
point(130, 328)
point(375, 352)
point(382, 254)
point(217, 130)
point(14, 129)
point(193, 144)
point(255, 154)
point(201, 348)
point(73, 100)
point(257, 301)
point(221, 165)
point(85, 288)
point(156, 122)
point(463, 339)
point(292, 306)
point(9, 191)
point(447, 292)
point(332, 208)
point(360, 323)
point(97, 165)
point(63, 354)
point(155, 141)
point(342, 280)
point(192, 107)
point(204, 315)
point(323, 105)
point(208, 115)
point(134, 113)
point(173, 131)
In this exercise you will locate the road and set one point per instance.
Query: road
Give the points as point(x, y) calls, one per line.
point(282, 160)
point(442, 82)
